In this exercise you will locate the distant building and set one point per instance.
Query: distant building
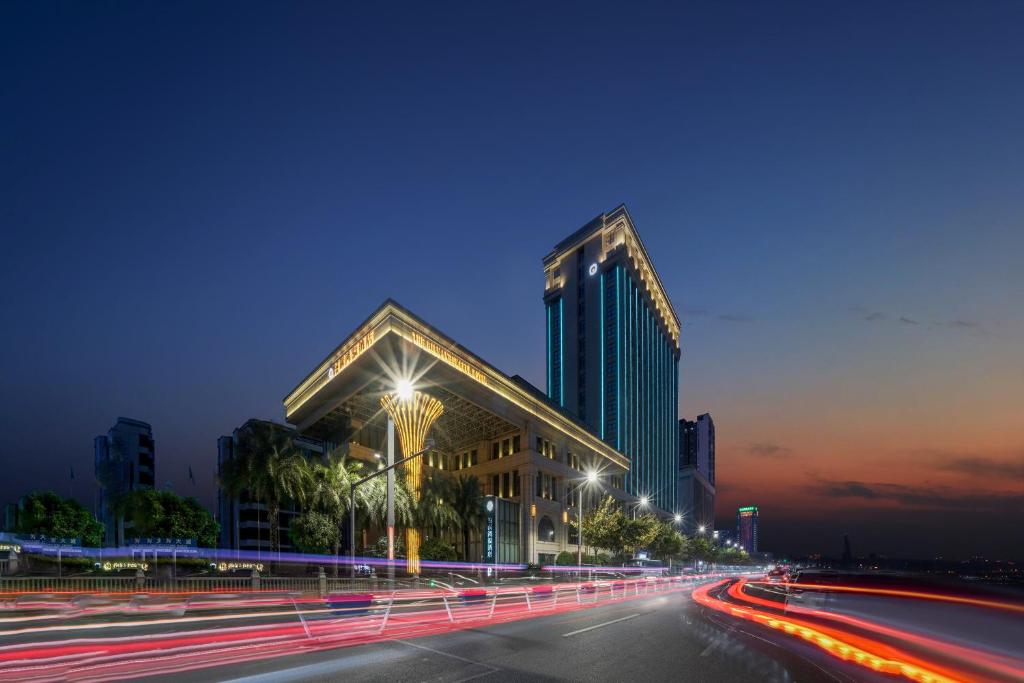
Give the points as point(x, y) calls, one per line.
point(124, 461)
point(10, 517)
point(725, 536)
point(244, 524)
point(746, 528)
point(696, 479)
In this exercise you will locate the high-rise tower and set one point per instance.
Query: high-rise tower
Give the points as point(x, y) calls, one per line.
point(613, 349)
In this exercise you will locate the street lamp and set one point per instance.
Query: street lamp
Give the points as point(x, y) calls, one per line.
point(677, 518)
point(404, 389)
point(642, 503)
point(591, 479)
point(700, 529)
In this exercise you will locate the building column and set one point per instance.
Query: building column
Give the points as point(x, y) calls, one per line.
point(528, 524)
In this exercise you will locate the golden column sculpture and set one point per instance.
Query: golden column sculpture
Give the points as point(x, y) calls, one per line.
point(413, 416)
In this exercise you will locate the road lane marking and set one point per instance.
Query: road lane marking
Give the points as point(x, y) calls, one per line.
point(607, 623)
point(489, 669)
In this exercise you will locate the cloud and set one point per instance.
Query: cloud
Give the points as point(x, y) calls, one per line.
point(879, 316)
point(985, 467)
point(964, 324)
point(930, 497)
point(724, 317)
point(769, 450)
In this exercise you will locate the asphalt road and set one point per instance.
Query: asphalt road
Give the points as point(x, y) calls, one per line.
point(658, 638)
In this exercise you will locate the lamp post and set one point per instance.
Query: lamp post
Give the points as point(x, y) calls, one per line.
point(642, 503)
point(429, 445)
point(591, 479)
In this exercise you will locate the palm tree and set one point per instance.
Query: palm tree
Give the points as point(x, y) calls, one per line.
point(467, 500)
point(376, 500)
point(329, 488)
point(331, 485)
point(270, 468)
point(434, 511)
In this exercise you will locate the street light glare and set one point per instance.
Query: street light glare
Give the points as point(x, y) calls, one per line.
point(592, 477)
point(678, 518)
point(404, 389)
point(644, 500)
point(701, 528)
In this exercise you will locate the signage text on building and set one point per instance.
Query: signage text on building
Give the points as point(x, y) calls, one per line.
point(354, 350)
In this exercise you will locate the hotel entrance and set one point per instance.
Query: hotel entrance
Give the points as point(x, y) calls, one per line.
point(522, 452)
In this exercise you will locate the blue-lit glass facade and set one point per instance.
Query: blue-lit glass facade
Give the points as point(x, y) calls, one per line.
point(612, 359)
point(639, 386)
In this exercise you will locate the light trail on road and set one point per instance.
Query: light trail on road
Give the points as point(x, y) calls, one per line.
point(303, 629)
point(898, 651)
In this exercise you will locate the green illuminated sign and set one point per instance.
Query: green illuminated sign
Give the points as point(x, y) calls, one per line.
point(751, 508)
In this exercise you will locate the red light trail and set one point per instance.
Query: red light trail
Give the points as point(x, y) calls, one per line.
point(841, 636)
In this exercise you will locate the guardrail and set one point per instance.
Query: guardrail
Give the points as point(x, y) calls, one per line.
point(588, 589)
point(372, 613)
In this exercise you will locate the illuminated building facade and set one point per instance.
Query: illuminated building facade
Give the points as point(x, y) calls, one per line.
point(613, 349)
point(746, 528)
point(124, 460)
point(697, 473)
point(524, 451)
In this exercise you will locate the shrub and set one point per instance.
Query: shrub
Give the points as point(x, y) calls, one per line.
point(436, 549)
point(380, 547)
point(565, 559)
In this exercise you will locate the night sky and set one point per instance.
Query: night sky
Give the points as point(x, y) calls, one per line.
point(199, 202)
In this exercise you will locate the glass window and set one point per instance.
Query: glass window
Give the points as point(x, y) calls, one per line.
point(515, 443)
point(494, 450)
point(546, 530)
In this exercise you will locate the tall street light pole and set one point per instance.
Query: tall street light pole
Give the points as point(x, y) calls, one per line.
point(591, 479)
point(352, 497)
point(391, 498)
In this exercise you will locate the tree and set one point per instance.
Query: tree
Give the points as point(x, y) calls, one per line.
point(668, 544)
point(375, 500)
point(638, 534)
point(603, 526)
point(166, 514)
point(48, 514)
point(270, 468)
point(468, 501)
point(701, 549)
point(434, 511)
point(329, 487)
point(314, 532)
